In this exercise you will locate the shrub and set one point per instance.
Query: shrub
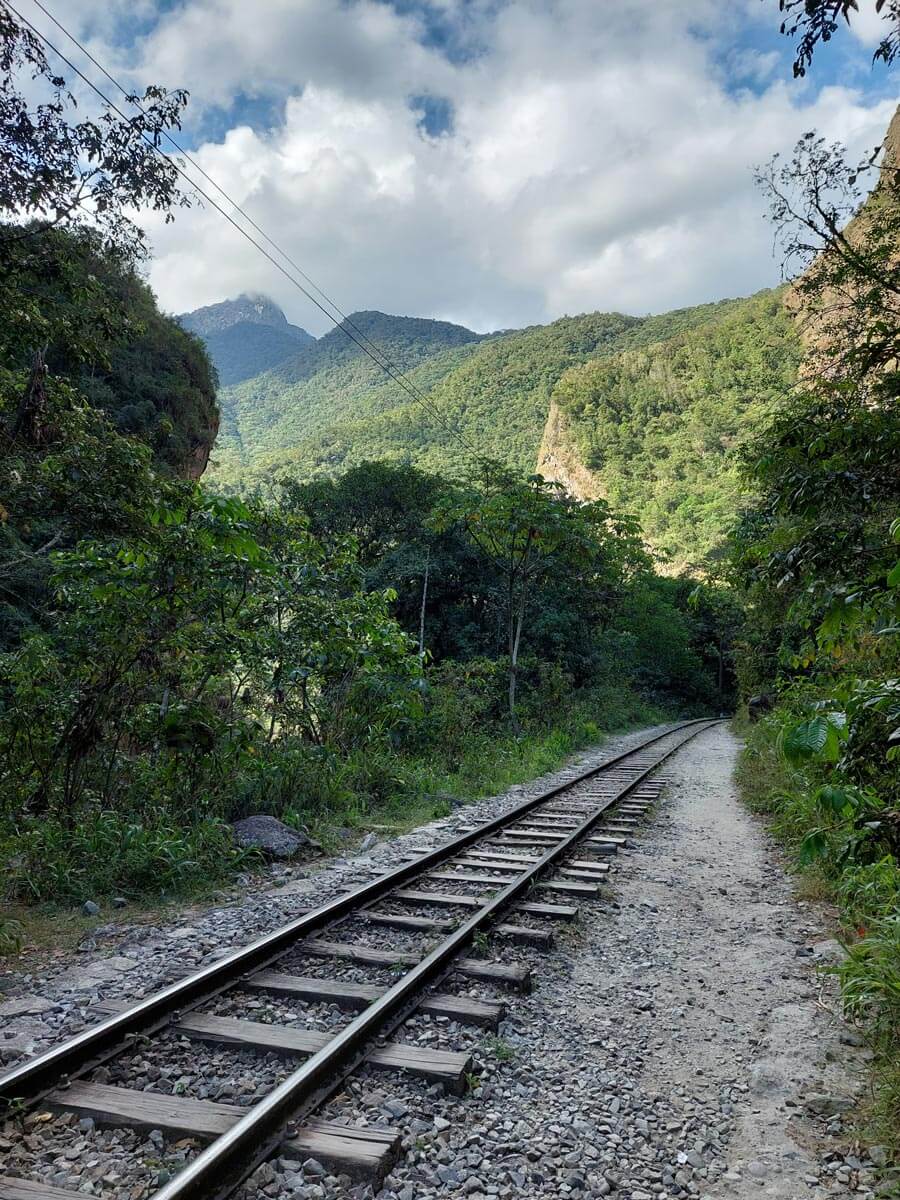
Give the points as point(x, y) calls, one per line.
point(108, 852)
point(11, 937)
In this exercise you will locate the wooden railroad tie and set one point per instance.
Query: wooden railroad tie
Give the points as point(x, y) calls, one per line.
point(564, 912)
point(363, 1154)
point(465, 1009)
point(491, 863)
point(514, 862)
point(440, 1066)
point(510, 975)
point(518, 933)
point(552, 885)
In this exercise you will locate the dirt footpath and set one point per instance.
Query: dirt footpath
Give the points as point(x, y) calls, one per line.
point(742, 1019)
point(679, 1042)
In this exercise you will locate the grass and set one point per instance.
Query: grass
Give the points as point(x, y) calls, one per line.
point(397, 791)
point(501, 1050)
point(155, 857)
point(106, 853)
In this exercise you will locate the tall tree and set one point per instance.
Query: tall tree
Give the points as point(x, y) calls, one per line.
point(55, 170)
point(531, 529)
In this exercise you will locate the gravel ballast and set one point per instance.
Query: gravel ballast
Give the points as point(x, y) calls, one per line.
point(678, 1041)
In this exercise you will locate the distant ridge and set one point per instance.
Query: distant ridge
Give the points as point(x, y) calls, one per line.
point(646, 412)
point(245, 336)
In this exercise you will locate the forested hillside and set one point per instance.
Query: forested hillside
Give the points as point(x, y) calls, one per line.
point(660, 427)
point(245, 337)
point(328, 383)
point(99, 393)
point(656, 404)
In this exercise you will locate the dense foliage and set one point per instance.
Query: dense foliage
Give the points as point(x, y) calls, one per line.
point(659, 425)
point(817, 561)
point(661, 400)
point(589, 597)
point(204, 657)
point(329, 383)
point(97, 390)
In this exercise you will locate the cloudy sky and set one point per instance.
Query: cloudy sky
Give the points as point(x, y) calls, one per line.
point(493, 162)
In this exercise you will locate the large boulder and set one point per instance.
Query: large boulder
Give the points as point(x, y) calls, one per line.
point(757, 706)
point(271, 836)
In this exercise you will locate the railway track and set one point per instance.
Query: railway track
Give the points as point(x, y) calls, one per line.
point(421, 940)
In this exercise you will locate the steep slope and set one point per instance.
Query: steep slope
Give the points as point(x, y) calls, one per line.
point(246, 336)
point(330, 381)
point(101, 329)
point(642, 410)
point(653, 428)
point(331, 407)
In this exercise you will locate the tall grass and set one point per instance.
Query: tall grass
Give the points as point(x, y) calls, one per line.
point(105, 852)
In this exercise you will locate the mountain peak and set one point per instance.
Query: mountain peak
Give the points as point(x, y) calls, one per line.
point(253, 308)
point(421, 330)
point(246, 335)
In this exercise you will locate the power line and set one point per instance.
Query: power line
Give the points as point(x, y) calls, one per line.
point(346, 325)
point(132, 99)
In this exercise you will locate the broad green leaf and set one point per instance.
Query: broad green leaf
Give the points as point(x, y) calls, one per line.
point(806, 740)
point(813, 846)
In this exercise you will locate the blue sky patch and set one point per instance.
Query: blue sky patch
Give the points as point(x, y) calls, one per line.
point(435, 114)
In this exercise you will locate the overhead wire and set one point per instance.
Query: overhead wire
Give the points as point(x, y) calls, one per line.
point(345, 323)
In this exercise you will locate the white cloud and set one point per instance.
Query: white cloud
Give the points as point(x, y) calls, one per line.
point(868, 24)
point(597, 158)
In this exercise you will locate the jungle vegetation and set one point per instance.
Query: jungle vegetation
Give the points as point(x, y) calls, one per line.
point(816, 563)
point(659, 401)
point(388, 626)
point(336, 651)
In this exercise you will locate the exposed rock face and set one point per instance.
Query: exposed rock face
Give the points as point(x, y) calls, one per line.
point(246, 336)
point(271, 836)
point(560, 461)
point(194, 466)
point(254, 310)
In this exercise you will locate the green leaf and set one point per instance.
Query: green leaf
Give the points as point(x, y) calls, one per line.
point(832, 799)
point(806, 740)
point(813, 847)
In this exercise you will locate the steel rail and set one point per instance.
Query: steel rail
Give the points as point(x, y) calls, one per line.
point(31, 1079)
point(227, 1162)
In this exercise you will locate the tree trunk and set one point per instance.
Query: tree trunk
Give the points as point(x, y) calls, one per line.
point(31, 417)
point(514, 658)
point(422, 609)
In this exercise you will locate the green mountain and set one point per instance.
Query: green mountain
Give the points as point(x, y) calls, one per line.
point(280, 414)
point(598, 398)
point(657, 427)
point(245, 336)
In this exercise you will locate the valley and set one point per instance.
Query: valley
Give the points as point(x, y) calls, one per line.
point(437, 755)
point(652, 410)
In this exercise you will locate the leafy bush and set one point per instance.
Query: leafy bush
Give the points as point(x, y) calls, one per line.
point(108, 852)
point(11, 937)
